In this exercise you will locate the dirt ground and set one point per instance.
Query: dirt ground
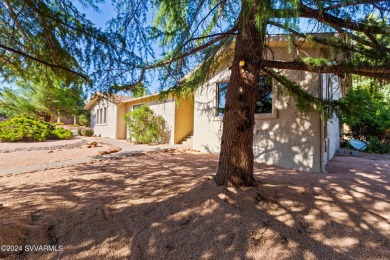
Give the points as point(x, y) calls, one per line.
point(165, 206)
point(13, 159)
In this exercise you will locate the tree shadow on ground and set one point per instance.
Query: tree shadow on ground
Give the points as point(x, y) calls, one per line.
point(165, 206)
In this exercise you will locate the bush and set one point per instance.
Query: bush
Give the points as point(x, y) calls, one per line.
point(84, 120)
point(27, 128)
point(87, 131)
point(368, 114)
point(79, 130)
point(377, 146)
point(145, 127)
point(84, 131)
point(61, 133)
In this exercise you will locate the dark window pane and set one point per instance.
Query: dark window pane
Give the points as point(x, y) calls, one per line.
point(222, 87)
point(137, 106)
point(264, 102)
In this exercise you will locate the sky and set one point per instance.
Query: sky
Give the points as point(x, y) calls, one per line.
point(106, 12)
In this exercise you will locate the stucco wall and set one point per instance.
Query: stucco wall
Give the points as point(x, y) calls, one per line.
point(290, 140)
point(331, 90)
point(184, 119)
point(109, 128)
point(166, 109)
point(121, 125)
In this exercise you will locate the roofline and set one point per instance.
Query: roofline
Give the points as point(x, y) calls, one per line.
point(142, 98)
point(95, 98)
point(91, 102)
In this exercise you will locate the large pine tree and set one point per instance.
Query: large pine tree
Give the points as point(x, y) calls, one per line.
point(194, 34)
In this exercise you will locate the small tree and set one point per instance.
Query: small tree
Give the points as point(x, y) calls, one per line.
point(145, 127)
point(368, 113)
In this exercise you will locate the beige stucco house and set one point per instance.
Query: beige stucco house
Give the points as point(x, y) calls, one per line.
point(282, 135)
point(107, 115)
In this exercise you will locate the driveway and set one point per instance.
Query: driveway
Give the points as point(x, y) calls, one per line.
point(38, 156)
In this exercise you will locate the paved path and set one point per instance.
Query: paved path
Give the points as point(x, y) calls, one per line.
point(126, 149)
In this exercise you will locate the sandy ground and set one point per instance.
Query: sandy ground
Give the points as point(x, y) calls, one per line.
point(165, 206)
point(4, 146)
point(26, 158)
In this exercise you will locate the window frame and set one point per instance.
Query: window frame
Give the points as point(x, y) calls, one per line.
point(258, 116)
point(101, 115)
point(217, 97)
point(97, 116)
point(104, 115)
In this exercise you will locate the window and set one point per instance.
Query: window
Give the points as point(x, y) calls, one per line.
point(264, 101)
point(263, 104)
point(105, 116)
point(101, 116)
point(137, 106)
point(221, 97)
point(97, 116)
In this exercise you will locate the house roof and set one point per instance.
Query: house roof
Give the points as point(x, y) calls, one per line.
point(117, 99)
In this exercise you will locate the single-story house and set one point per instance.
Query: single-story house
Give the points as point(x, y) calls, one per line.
point(107, 115)
point(282, 135)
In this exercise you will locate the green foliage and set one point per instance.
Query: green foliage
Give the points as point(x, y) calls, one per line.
point(367, 113)
point(145, 127)
point(85, 131)
point(84, 119)
point(377, 145)
point(79, 130)
point(54, 34)
point(140, 90)
point(61, 133)
point(24, 128)
point(43, 94)
point(316, 62)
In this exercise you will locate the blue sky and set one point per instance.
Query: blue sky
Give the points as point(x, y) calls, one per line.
point(100, 18)
point(107, 11)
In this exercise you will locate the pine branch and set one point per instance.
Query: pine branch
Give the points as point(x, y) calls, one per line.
point(380, 72)
point(350, 3)
point(337, 22)
point(174, 59)
point(42, 61)
point(326, 43)
point(15, 19)
point(305, 101)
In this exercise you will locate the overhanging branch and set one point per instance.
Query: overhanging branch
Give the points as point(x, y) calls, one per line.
point(42, 61)
point(380, 72)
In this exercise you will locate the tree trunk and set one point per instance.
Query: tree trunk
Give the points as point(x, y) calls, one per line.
point(236, 156)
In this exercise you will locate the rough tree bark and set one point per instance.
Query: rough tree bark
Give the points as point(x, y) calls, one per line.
point(236, 156)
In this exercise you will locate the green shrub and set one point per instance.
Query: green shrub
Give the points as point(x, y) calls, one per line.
point(24, 128)
point(79, 130)
point(377, 146)
point(84, 120)
point(368, 113)
point(61, 133)
point(145, 127)
point(85, 131)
